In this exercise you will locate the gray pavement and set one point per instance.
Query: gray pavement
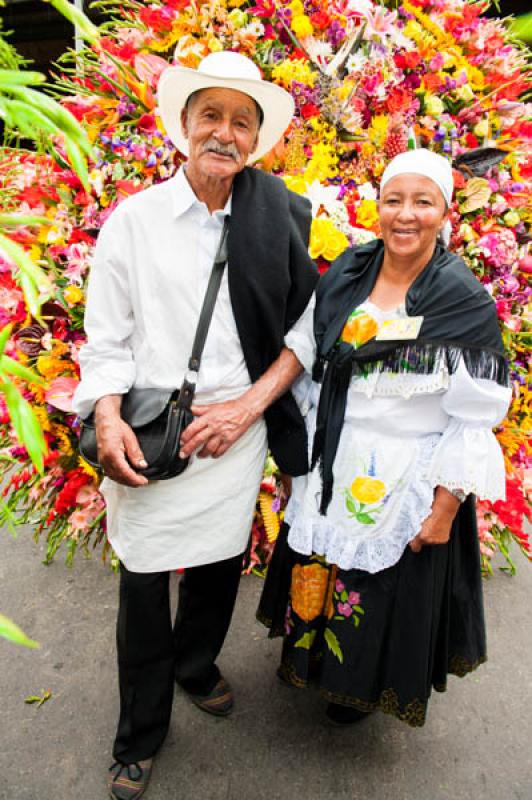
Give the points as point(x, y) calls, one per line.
point(276, 746)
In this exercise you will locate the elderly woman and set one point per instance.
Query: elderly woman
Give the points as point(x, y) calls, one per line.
point(375, 581)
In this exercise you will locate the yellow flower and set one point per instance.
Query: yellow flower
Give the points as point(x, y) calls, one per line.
point(35, 252)
point(323, 163)
point(296, 183)
point(481, 129)
point(378, 129)
point(236, 3)
point(296, 70)
point(511, 218)
point(63, 434)
point(368, 490)
point(88, 470)
point(326, 240)
point(73, 294)
point(42, 417)
point(367, 213)
point(297, 8)
point(465, 92)
point(50, 367)
point(302, 26)
point(214, 44)
point(434, 106)
point(238, 18)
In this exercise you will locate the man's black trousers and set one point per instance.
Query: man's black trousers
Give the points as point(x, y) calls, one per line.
point(153, 654)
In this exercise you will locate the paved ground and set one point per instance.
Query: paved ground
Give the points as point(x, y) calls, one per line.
point(276, 746)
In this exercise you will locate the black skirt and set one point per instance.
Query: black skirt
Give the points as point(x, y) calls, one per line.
point(380, 641)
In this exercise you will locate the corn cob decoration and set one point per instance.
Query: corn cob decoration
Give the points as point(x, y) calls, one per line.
point(270, 518)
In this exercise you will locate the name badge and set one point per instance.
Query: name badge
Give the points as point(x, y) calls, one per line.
point(404, 328)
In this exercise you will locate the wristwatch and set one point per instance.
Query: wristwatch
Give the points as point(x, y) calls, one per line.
point(459, 494)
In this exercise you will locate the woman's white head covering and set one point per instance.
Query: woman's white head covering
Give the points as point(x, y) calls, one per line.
point(431, 165)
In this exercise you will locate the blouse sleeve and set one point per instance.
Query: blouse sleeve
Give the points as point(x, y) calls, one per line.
point(106, 360)
point(300, 337)
point(468, 456)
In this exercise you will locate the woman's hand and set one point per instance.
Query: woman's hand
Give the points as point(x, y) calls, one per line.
point(437, 527)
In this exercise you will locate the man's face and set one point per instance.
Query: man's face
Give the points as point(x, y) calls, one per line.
point(222, 128)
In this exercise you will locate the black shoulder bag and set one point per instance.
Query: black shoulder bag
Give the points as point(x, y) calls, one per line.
point(159, 417)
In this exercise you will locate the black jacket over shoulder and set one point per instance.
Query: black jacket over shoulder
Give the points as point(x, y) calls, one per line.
point(271, 279)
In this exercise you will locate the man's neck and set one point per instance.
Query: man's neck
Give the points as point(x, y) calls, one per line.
point(212, 191)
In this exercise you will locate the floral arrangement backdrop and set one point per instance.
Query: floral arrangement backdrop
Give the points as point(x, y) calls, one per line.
point(368, 81)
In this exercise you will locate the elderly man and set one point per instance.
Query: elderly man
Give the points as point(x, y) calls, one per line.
point(149, 276)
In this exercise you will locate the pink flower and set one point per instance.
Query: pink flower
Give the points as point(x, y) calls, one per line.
point(60, 393)
point(149, 67)
point(339, 586)
point(354, 598)
point(344, 609)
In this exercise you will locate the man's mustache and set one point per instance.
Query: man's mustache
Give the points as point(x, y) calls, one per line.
point(214, 146)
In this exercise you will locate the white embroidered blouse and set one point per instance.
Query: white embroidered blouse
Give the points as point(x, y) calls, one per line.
point(403, 435)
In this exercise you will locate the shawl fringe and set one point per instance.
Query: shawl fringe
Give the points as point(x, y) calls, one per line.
point(426, 358)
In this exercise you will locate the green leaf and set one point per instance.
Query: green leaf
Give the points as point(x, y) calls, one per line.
point(9, 220)
point(12, 632)
point(5, 333)
point(359, 609)
point(31, 294)
point(79, 163)
point(307, 640)
point(24, 262)
point(64, 120)
point(344, 596)
point(25, 423)
point(86, 29)
point(350, 503)
point(39, 699)
point(333, 645)
point(15, 77)
point(356, 621)
point(365, 518)
point(13, 367)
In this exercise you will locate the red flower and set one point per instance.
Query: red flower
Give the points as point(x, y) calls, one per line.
point(309, 110)
point(320, 20)
point(66, 499)
point(266, 8)
point(79, 235)
point(471, 140)
point(147, 123)
point(398, 100)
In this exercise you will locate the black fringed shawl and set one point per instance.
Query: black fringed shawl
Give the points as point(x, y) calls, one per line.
point(459, 319)
point(271, 278)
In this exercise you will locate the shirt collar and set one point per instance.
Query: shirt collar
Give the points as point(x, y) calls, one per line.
point(184, 198)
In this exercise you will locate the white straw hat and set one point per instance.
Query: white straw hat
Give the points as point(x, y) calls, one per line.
point(224, 70)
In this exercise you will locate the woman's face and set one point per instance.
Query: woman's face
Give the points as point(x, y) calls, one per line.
point(411, 212)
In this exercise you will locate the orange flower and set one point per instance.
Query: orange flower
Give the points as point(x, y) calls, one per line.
point(309, 587)
point(359, 328)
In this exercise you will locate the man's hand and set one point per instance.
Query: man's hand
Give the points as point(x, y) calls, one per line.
point(219, 426)
point(118, 446)
point(216, 428)
point(437, 527)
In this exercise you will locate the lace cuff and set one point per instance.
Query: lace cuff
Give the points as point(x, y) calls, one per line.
point(469, 458)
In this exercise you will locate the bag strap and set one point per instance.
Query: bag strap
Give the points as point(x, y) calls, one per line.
point(209, 301)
